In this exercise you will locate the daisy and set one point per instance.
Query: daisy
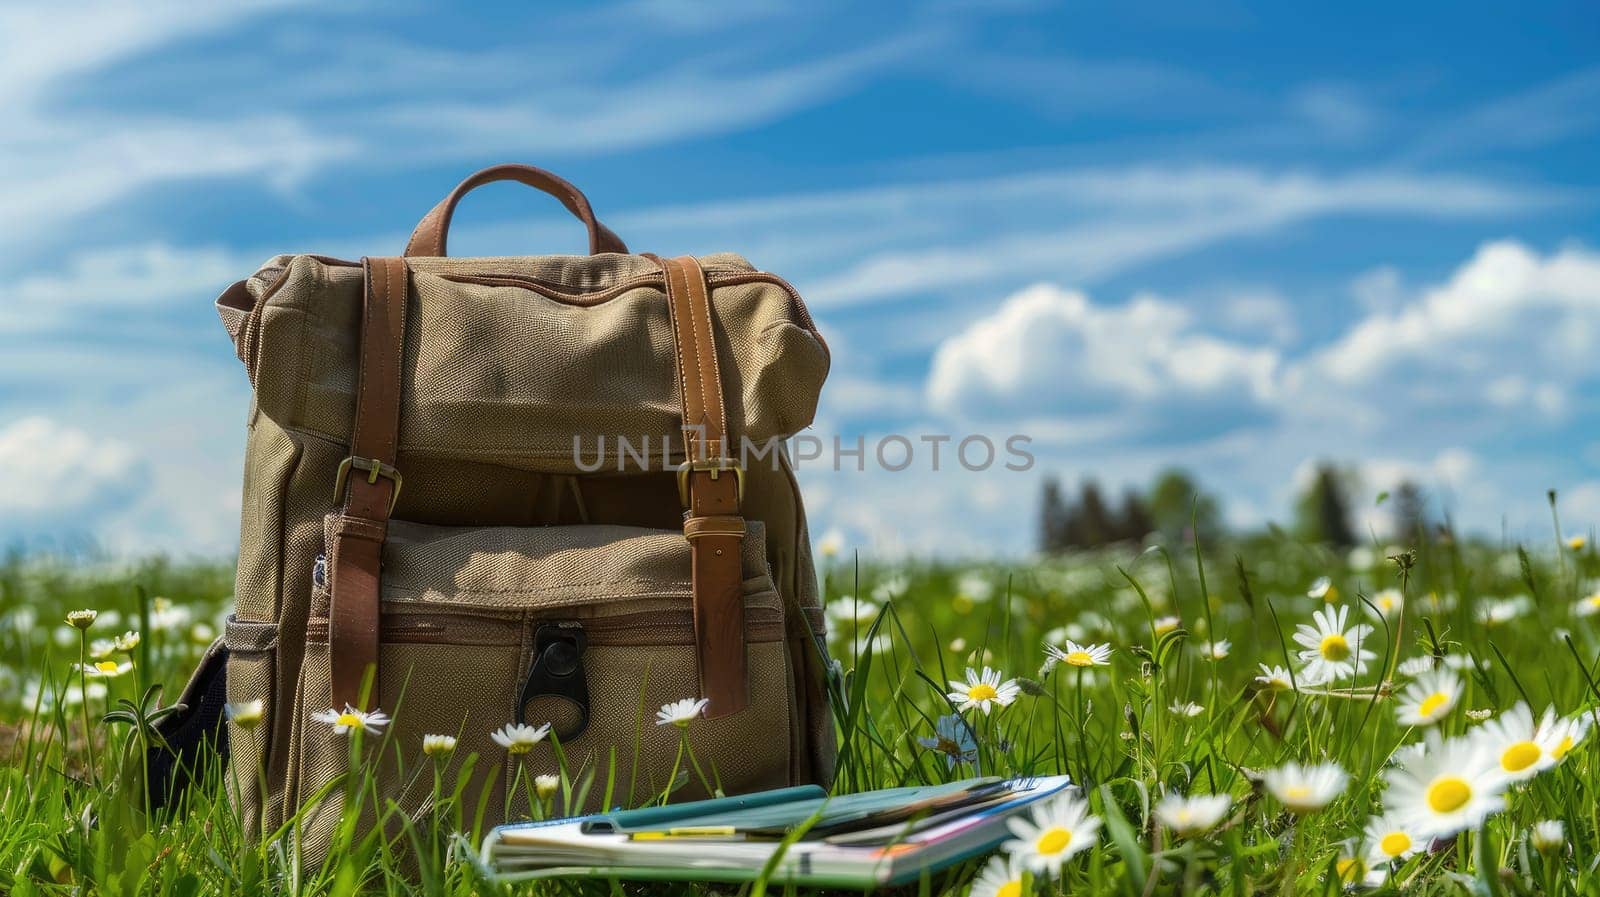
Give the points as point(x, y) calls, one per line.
point(1333, 652)
point(1004, 876)
point(351, 719)
point(1588, 605)
point(1407, 754)
point(845, 610)
point(126, 642)
point(1565, 734)
point(953, 738)
point(1576, 543)
point(1323, 588)
point(1429, 699)
point(166, 616)
point(1076, 655)
point(1275, 678)
point(1387, 604)
point(82, 619)
point(519, 738)
point(438, 746)
point(546, 785)
point(105, 669)
point(1503, 610)
point(975, 587)
point(1058, 829)
point(1164, 625)
point(1521, 750)
point(1353, 870)
point(245, 714)
point(1306, 789)
point(831, 543)
point(983, 690)
point(1218, 649)
point(1192, 815)
point(1548, 836)
point(1451, 787)
point(1388, 839)
point(1187, 708)
point(680, 713)
point(1415, 666)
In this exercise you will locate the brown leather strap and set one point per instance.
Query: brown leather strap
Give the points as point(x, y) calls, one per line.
point(370, 482)
point(434, 229)
point(712, 482)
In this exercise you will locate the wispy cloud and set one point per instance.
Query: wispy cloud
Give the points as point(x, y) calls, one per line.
point(1546, 113)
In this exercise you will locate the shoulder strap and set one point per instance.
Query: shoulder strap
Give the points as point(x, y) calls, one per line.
point(368, 485)
point(710, 484)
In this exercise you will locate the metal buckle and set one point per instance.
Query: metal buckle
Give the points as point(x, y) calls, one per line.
point(374, 469)
point(714, 467)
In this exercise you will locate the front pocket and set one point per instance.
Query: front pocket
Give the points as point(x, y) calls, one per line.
point(470, 619)
point(252, 666)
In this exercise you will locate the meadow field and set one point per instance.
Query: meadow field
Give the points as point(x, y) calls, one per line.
point(1250, 716)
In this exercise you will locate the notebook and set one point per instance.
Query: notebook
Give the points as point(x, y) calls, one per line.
point(870, 839)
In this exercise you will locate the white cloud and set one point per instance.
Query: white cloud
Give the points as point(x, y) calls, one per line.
point(124, 279)
point(1082, 225)
point(1260, 313)
point(1051, 350)
point(617, 115)
point(1509, 327)
point(50, 472)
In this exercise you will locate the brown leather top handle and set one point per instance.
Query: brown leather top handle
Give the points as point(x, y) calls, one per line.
point(431, 233)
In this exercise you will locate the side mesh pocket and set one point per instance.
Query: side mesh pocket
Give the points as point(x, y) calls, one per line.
point(252, 667)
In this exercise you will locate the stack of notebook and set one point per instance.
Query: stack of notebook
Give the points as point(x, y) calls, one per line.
point(875, 838)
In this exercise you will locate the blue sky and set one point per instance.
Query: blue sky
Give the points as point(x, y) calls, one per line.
point(1235, 239)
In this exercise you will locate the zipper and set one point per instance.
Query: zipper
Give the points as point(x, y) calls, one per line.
point(622, 630)
point(249, 335)
point(713, 279)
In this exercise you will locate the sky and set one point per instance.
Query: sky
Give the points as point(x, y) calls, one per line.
point(1238, 239)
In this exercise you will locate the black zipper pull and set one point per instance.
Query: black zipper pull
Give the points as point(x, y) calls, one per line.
point(557, 671)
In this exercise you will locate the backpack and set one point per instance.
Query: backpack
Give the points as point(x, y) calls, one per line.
point(525, 490)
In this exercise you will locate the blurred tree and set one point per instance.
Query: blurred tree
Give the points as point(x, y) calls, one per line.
point(1090, 521)
point(1095, 522)
point(1053, 514)
point(1176, 501)
point(1410, 514)
point(1135, 521)
point(1323, 514)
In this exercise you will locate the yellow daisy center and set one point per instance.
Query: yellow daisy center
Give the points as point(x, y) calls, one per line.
point(1334, 647)
point(106, 666)
point(1297, 792)
point(1012, 888)
point(1519, 756)
point(1351, 869)
point(1395, 843)
point(348, 719)
point(1433, 704)
point(1448, 794)
point(1386, 603)
point(519, 747)
point(1053, 840)
point(1561, 749)
point(983, 691)
point(1593, 600)
point(1080, 659)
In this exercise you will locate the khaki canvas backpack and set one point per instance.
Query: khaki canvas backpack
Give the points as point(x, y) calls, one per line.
point(545, 489)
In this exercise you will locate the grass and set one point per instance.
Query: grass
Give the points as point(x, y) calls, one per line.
point(1162, 718)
